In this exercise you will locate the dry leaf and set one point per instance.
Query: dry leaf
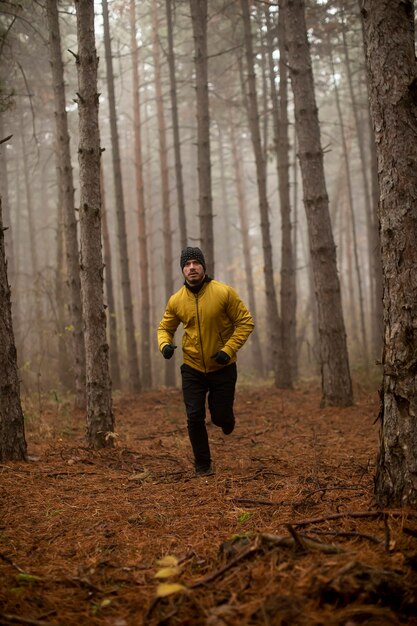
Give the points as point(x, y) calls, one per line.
point(167, 572)
point(168, 561)
point(167, 589)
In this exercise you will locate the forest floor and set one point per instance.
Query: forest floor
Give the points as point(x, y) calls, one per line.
point(285, 532)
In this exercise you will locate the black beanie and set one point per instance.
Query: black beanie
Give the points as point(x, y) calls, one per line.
point(190, 254)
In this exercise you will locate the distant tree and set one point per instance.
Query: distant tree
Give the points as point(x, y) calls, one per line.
point(163, 165)
point(100, 419)
point(199, 22)
point(145, 309)
point(371, 202)
point(274, 321)
point(237, 152)
point(182, 217)
point(334, 360)
point(66, 194)
point(134, 382)
point(12, 430)
point(286, 374)
point(392, 74)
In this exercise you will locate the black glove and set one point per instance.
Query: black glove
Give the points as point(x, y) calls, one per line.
point(222, 358)
point(168, 350)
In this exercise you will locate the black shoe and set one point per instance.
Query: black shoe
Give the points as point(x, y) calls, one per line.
point(204, 471)
point(228, 428)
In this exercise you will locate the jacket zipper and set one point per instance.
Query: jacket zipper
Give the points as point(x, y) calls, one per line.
point(199, 331)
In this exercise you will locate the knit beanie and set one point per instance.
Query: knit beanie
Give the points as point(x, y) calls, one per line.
point(190, 254)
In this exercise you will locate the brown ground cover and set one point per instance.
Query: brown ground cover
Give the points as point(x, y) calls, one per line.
point(285, 533)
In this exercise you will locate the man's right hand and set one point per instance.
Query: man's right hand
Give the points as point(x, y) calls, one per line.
point(168, 350)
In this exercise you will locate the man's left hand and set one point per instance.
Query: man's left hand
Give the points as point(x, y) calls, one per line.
point(222, 358)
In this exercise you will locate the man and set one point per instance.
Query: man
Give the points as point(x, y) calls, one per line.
point(216, 324)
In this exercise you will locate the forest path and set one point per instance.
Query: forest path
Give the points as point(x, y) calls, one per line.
point(284, 532)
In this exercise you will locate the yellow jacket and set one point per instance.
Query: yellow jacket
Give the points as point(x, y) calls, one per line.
point(214, 319)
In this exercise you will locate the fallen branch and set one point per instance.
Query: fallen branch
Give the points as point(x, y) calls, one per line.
point(242, 555)
point(262, 502)
point(298, 540)
point(324, 489)
point(339, 533)
point(305, 542)
point(6, 559)
point(355, 514)
point(16, 619)
point(265, 540)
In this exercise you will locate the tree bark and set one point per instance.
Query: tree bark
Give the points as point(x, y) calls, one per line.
point(392, 75)
point(4, 192)
point(199, 22)
point(108, 280)
point(335, 374)
point(12, 428)
point(100, 419)
point(65, 181)
point(134, 381)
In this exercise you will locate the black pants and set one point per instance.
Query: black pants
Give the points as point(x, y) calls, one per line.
point(220, 387)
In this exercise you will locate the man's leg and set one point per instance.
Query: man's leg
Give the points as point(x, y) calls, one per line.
point(222, 385)
point(194, 389)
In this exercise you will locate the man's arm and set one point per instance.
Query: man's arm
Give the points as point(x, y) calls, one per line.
point(243, 323)
point(167, 327)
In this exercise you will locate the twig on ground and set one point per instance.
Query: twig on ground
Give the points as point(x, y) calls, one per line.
point(6, 559)
point(16, 619)
point(324, 489)
point(310, 544)
point(337, 533)
point(242, 555)
point(263, 502)
point(298, 540)
point(357, 514)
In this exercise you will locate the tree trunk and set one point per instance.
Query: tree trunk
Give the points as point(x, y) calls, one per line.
point(65, 181)
point(175, 127)
point(247, 254)
point(355, 248)
point(392, 75)
point(100, 419)
point(270, 292)
point(378, 326)
point(225, 210)
point(146, 368)
point(368, 201)
point(285, 375)
point(4, 193)
point(111, 306)
point(65, 360)
point(336, 381)
point(12, 428)
point(372, 223)
point(33, 291)
point(199, 21)
point(134, 382)
point(163, 163)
